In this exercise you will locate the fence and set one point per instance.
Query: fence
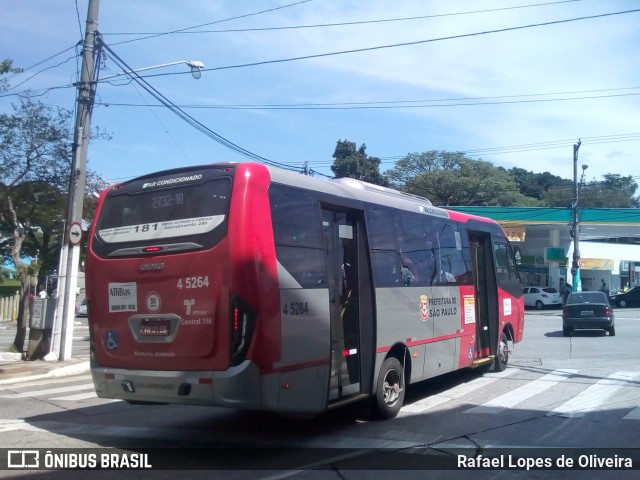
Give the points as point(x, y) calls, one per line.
point(9, 307)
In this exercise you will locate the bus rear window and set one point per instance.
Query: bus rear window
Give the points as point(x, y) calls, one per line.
point(136, 216)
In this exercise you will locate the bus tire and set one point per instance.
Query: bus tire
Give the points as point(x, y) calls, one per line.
point(502, 355)
point(390, 389)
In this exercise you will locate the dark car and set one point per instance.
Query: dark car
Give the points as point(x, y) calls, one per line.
point(587, 310)
point(630, 298)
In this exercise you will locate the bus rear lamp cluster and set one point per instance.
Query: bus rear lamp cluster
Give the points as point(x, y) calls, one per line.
point(241, 328)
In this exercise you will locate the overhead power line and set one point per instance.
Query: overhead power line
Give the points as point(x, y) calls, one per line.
point(328, 25)
point(399, 104)
point(189, 119)
point(420, 42)
point(183, 30)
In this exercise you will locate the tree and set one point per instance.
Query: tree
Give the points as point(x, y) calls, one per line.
point(535, 185)
point(615, 191)
point(35, 164)
point(451, 178)
point(353, 163)
point(6, 66)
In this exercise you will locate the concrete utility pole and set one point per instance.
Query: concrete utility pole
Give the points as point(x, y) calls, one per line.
point(575, 265)
point(70, 254)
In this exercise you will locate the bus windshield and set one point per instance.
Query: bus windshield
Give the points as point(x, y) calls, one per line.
point(144, 212)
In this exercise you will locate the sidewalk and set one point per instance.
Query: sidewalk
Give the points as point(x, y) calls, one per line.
point(14, 370)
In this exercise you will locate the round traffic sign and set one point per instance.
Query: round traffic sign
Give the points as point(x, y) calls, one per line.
point(75, 233)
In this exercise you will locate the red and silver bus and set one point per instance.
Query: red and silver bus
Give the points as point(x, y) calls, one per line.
point(245, 286)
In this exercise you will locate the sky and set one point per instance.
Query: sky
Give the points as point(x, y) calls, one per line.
point(516, 83)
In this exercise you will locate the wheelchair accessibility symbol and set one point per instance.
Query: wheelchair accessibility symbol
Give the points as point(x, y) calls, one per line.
point(111, 340)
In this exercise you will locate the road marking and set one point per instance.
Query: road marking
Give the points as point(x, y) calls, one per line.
point(50, 391)
point(78, 397)
point(46, 381)
point(455, 392)
point(633, 414)
point(594, 396)
point(525, 392)
point(11, 425)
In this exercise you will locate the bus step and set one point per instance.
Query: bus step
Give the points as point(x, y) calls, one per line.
point(482, 361)
point(347, 400)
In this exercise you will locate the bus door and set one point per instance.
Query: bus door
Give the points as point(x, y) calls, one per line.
point(484, 284)
point(340, 229)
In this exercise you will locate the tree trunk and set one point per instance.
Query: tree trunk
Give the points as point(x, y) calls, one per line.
point(24, 308)
point(25, 279)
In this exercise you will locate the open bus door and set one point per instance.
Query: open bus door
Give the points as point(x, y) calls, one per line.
point(486, 306)
point(351, 300)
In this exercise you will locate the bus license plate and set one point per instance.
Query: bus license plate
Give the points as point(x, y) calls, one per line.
point(155, 327)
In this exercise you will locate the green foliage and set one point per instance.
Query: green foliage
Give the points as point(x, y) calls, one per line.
point(450, 179)
point(355, 163)
point(615, 191)
point(535, 185)
point(6, 66)
point(35, 163)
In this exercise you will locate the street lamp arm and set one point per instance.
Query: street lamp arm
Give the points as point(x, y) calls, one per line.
point(196, 67)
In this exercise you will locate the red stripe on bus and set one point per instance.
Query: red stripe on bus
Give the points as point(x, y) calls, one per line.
point(423, 341)
point(298, 366)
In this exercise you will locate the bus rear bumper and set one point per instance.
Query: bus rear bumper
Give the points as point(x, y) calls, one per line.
point(238, 387)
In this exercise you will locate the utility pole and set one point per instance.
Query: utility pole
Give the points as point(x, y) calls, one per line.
point(70, 253)
point(575, 265)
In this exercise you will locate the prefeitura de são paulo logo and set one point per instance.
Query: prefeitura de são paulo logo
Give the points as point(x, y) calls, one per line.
point(424, 308)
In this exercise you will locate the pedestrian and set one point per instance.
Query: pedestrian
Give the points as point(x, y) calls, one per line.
point(565, 292)
point(42, 293)
point(603, 287)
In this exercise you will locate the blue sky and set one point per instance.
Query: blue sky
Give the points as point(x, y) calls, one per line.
point(536, 89)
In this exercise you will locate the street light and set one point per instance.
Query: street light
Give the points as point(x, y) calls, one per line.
point(575, 264)
point(196, 67)
point(70, 254)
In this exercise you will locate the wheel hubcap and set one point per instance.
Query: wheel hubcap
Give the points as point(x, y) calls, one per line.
point(504, 351)
point(391, 387)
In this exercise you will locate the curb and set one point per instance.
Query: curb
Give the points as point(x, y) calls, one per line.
point(67, 370)
point(10, 356)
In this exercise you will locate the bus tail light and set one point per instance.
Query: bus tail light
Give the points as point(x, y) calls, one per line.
point(242, 324)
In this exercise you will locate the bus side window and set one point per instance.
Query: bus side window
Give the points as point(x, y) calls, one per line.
point(299, 243)
point(386, 268)
point(506, 269)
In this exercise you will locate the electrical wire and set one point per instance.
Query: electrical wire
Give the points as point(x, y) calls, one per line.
point(399, 104)
point(341, 24)
point(182, 30)
point(421, 42)
point(189, 119)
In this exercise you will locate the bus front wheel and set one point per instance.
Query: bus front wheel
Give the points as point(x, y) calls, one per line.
point(390, 389)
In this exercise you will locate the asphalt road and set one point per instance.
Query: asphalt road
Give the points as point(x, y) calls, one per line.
point(559, 393)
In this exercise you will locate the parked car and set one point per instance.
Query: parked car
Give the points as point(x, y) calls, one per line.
point(541, 297)
point(630, 298)
point(588, 310)
point(82, 309)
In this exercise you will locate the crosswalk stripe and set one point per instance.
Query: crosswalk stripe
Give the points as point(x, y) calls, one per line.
point(46, 381)
point(77, 397)
point(633, 414)
point(593, 396)
point(455, 392)
point(50, 391)
point(525, 392)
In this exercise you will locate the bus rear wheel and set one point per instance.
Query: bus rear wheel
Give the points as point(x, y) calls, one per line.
point(502, 357)
point(390, 389)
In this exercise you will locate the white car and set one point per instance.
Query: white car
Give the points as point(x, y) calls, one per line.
point(82, 309)
point(541, 297)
